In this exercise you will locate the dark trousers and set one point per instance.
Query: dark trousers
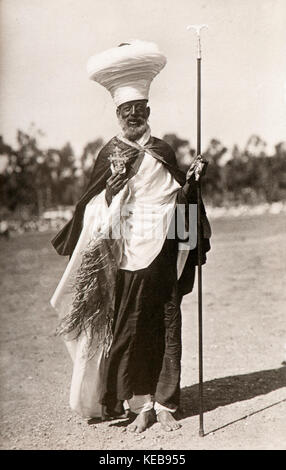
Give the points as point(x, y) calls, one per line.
point(145, 356)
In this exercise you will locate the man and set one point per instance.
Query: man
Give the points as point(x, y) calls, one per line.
point(136, 280)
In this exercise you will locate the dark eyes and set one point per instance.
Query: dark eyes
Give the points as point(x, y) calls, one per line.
point(127, 109)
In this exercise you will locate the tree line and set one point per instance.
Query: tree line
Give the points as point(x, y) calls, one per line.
point(36, 179)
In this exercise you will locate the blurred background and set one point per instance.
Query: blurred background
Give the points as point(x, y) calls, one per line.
point(54, 120)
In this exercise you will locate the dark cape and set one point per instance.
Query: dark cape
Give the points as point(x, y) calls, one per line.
point(65, 241)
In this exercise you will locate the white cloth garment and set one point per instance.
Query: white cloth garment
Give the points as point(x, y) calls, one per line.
point(158, 407)
point(149, 210)
point(141, 403)
point(150, 217)
point(87, 374)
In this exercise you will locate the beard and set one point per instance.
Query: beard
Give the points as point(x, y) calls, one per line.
point(133, 132)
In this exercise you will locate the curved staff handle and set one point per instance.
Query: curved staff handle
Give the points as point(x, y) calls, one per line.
point(198, 29)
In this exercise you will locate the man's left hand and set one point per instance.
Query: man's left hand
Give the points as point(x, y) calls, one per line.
point(197, 168)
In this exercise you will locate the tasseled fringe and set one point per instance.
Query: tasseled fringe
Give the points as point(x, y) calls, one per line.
point(93, 305)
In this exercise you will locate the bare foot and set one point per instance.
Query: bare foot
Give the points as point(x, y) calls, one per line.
point(167, 421)
point(142, 422)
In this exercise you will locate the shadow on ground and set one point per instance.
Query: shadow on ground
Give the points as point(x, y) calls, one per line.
point(224, 391)
point(227, 390)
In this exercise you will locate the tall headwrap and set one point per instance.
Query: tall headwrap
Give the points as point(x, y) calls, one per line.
point(127, 71)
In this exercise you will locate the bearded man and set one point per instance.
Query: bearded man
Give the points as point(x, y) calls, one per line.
point(121, 318)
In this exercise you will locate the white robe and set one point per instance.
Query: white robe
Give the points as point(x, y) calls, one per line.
point(150, 200)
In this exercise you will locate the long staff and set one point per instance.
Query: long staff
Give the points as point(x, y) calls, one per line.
point(202, 165)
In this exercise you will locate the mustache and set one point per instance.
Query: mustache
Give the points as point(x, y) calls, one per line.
point(132, 132)
point(138, 120)
point(127, 123)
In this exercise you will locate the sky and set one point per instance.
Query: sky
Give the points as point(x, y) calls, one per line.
point(45, 45)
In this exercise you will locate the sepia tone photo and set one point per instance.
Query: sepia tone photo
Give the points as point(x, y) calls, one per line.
point(142, 226)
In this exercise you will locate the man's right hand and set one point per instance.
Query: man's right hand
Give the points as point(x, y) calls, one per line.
point(113, 185)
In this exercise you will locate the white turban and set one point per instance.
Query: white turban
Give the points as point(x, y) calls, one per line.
point(127, 71)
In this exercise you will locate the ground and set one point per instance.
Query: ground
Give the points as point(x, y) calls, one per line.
point(244, 349)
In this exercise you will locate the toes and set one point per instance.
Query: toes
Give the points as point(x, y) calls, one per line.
point(141, 423)
point(170, 427)
point(168, 423)
point(136, 429)
point(176, 426)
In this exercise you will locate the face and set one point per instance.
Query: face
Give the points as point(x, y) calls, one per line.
point(133, 117)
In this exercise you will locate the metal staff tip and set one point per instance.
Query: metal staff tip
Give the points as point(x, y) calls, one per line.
point(197, 28)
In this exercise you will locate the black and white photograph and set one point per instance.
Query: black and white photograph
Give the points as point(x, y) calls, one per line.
point(143, 227)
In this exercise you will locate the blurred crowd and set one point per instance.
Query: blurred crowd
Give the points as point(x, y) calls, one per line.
point(34, 180)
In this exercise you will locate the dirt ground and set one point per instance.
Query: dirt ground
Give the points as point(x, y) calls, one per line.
point(244, 349)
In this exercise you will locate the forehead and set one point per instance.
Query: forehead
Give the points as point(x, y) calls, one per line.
point(134, 102)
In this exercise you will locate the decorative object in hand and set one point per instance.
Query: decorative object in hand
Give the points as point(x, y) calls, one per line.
point(118, 161)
